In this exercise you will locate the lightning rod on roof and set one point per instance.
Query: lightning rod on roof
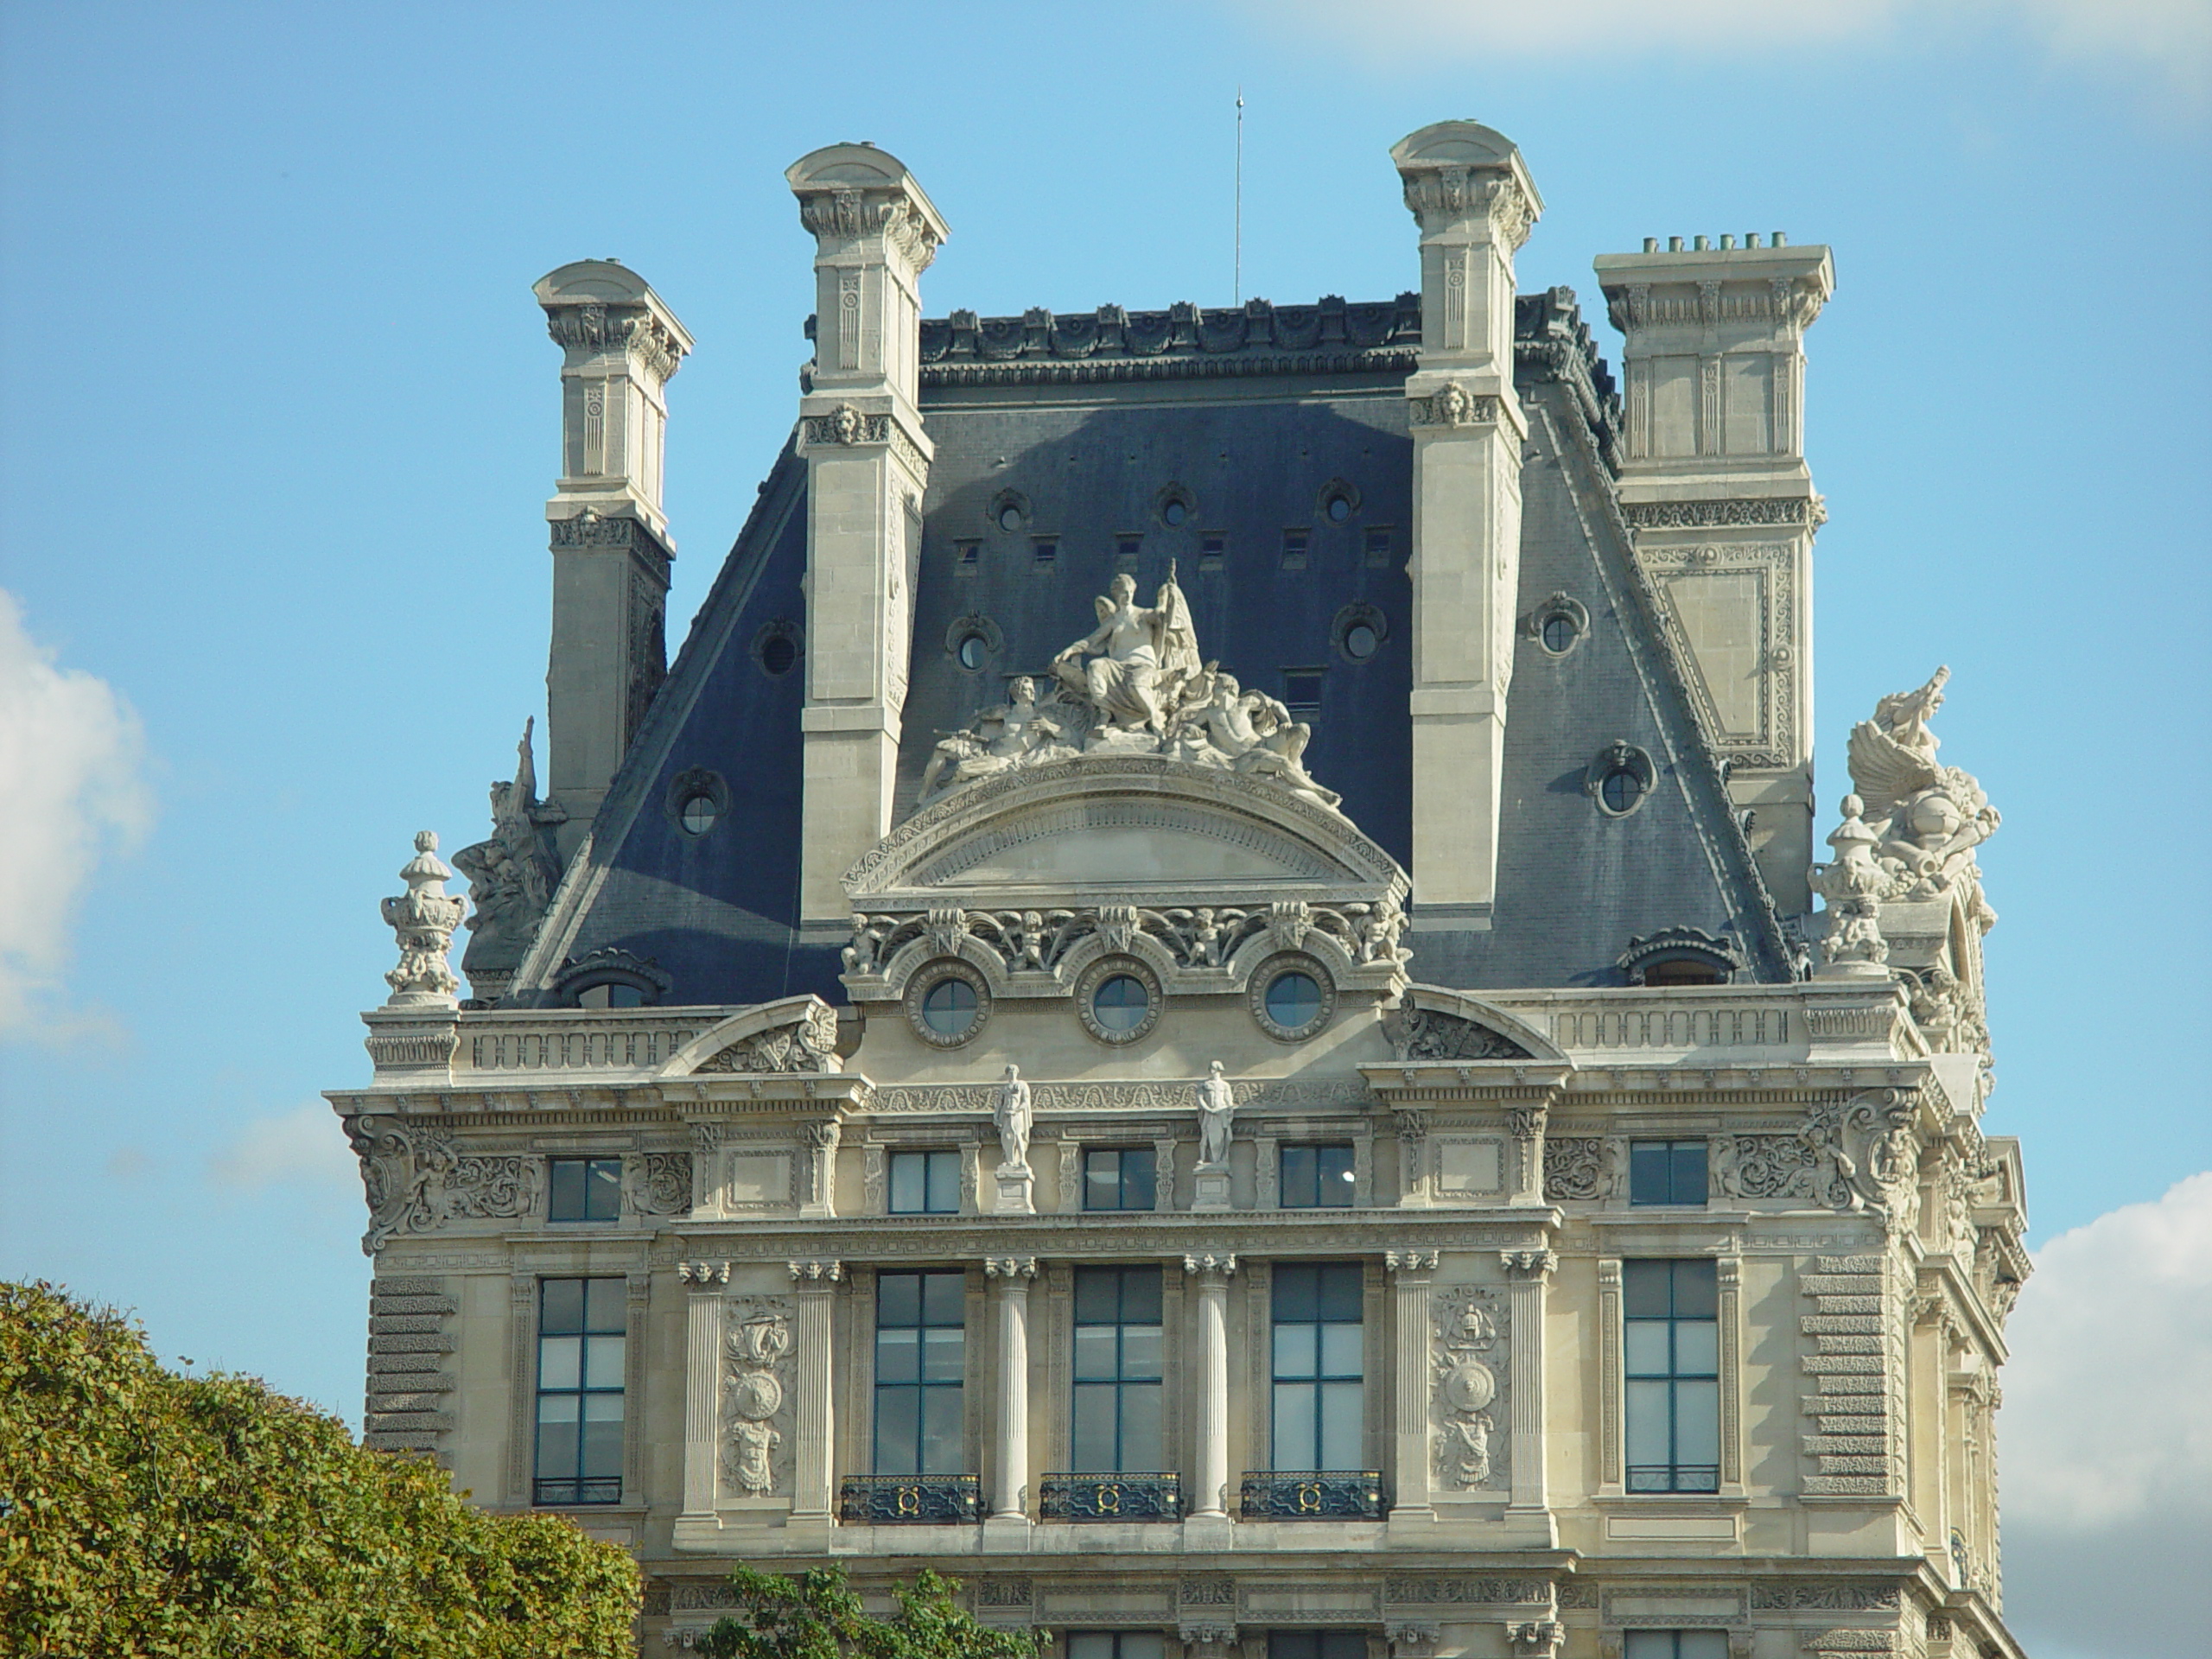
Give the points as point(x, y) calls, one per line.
point(1237, 285)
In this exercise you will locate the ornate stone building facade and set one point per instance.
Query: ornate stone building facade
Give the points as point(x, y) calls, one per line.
point(1200, 999)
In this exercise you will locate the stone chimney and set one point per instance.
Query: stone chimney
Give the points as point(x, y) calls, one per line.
point(1716, 489)
point(611, 549)
point(1475, 204)
point(867, 461)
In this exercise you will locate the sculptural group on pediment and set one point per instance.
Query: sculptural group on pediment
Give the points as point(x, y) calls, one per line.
point(1918, 822)
point(1134, 684)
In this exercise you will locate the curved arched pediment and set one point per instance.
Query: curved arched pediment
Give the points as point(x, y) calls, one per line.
point(1135, 829)
point(1436, 1023)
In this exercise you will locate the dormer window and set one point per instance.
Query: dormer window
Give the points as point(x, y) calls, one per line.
point(1680, 956)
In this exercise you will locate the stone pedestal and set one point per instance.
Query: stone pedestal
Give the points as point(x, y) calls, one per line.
point(1210, 1188)
point(1016, 1187)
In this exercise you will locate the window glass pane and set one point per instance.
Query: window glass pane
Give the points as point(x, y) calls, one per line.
point(1697, 1423)
point(1335, 1170)
point(1340, 1350)
point(1696, 1293)
point(1701, 1644)
point(603, 1300)
point(944, 1196)
point(1647, 1172)
point(603, 1190)
point(1340, 1289)
point(1688, 1171)
point(560, 1362)
point(1096, 1351)
point(1343, 1644)
point(1644, 1408)
point(1341, 1426)
point(1697, 1348)
point(897, 1430)
point(1094, 1425)
point(565, 1199)
point(1297, 1294)
point(1299, 1189)
point(603, 1362)
point(1297, 1350)
point(1137, 1179)
point(1091, 1645)
point(909, 1187)
point(1644, 1347)
point(1294, 1644)
point(602, 1454)
point(1654, 1644)
point(942, 1451)
point(558, 1409)
point(1294, 1426)
point(1140, 1438)
point(1142, 1644)
point(1097, 1294)
point(944, 1298)
point(897, 1355)
point(897, 1299)
point(1643, 1288)
point(942, 1354)
point(1141, 1293)
point(556, 1450)
point(1141, 1350)
point(1101, 1180)
point(562, 1309)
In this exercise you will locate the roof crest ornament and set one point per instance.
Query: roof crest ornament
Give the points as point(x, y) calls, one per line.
point(1134, 684)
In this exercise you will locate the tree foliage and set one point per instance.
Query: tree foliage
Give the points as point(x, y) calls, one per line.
point(188, 1517)
point(816, 1615)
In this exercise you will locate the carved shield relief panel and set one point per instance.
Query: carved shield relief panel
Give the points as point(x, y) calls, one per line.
point(1469, 1362)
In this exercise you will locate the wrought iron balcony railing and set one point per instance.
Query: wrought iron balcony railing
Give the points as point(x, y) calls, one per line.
point(1312, 1495)
point(1111, 1497)
point(909, 1500)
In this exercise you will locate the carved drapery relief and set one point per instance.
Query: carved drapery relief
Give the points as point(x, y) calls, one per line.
point(416, 1181)
point(754, 1350)
point(1202, 938)
point(657, 1184)
point(1468, 1360)
point(803, 1045)
point(1429, 1034)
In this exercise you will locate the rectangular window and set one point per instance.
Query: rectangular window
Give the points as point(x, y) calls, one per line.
point(1117, 1372)
point(1117, 1644)
point(966, 554)
point(1317, 1644)
point(1317, 1177)
point(585, 1189)
point(1666, 1172)
point(1377, 545)
point(1213, 547)
point(1675, 1644)
point(1126, 546)
point(1302, 692)
point(925, 1183)
point(1670, 1351)
point(1048, 549)
point(921, 1357)
point(1320, 1396)
point(581, 1343)
point(1117, 1178)
point(1293, 550)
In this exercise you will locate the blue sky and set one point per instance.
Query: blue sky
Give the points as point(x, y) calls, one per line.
point(279, 421)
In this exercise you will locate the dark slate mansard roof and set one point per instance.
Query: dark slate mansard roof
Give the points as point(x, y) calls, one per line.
point(1087, 426)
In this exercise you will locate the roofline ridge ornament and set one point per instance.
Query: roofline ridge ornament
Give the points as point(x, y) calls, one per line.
point(423, 919)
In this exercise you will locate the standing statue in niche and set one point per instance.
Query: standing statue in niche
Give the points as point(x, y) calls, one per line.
point(1131, 666)
point(1216, 1108)
point(1012, 1116)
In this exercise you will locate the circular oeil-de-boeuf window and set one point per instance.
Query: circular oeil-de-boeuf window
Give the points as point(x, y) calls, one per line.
point(1292, 998)
point(1118, 1000)
point(698, 814)
point(947, 1003)
point(1619, 790)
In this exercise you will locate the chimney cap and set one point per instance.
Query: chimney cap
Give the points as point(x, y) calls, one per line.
point(605, 281)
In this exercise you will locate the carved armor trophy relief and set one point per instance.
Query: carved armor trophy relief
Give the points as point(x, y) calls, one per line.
point(753, 1394)
point(1468, 1355)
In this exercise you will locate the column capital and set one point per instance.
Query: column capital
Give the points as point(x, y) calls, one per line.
point(1012, 1269)
point(1528, 1264)
point(702, 1274)
point(816, 1275)
point(1410, 1261)
point(1219, 1267)
point(854, 198)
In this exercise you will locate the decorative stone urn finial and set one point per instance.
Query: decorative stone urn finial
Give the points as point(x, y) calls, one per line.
point(424, 918)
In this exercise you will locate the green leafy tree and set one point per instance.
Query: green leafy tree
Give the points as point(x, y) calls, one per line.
point(816, 1615)
point(143, 1513)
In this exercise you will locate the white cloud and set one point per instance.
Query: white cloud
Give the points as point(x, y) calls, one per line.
point(303, 1149)
point(72, 790)
point(2104, 1442)
point(2169, 40)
